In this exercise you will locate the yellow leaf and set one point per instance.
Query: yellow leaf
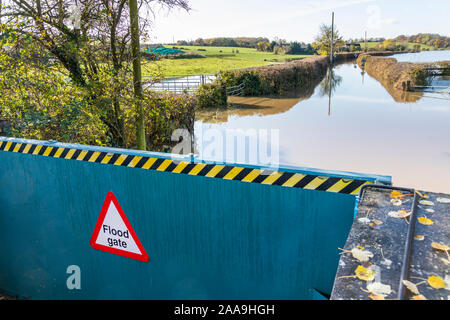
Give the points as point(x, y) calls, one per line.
point(376, 297)
point(440, 246)
point(404, 213)
point(421, 195)
point(364, 273)
point(377, 222)
point(436, 282)
point(397, 194)
point(419, 297)
point(425, 221)
point(419, 237)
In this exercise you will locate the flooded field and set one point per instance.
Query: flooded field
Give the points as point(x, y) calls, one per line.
point(424, 56)
point(359, 127)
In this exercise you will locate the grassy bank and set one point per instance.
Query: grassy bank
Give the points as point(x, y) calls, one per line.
point(411, 45)
point(394, 74)
point(277, 79)
point(216, 59)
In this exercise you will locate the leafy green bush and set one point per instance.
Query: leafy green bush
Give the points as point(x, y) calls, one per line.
point(43, 104)
point(211, 95)
point(277, 79)
point(165, 113)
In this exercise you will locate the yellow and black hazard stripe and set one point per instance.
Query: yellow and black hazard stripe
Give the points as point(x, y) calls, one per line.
point(227, 172)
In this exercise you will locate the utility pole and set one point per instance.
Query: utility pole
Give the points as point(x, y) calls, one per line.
point(332, 38)
point(137, 74)
point(365, 41)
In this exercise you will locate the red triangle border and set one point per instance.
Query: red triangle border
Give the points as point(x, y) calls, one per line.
point(110, 197)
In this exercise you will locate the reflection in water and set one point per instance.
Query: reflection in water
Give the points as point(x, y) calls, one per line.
point(258, 106)
point(329, 85)
point(396, 94)
point(369, 131)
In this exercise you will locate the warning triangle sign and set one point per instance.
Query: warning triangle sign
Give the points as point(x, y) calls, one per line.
point(113, 232)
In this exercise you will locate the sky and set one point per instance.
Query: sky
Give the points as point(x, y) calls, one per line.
point(299, 20)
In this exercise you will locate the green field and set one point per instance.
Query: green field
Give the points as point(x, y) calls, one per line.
point(216, 59)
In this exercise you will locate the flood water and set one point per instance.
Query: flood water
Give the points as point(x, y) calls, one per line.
point(424, 56)
point(361, 127)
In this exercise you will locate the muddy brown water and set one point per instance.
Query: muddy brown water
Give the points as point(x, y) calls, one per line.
point(361, 127)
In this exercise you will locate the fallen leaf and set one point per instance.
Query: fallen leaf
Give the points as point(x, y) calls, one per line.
point(364, 220)
point(379, 289)
point(436, 282)
point(447, 282)
point(400, 214)
point(443, 200)
point(440, 246)
point(397, 195)
point(425, 196)
point(404, 213)
point(377, 222)
point(419, 297)
point(411, 287)
point(429, 210)
point(376, 297)
point(425, 221)
point(419, 237)
point(364, 273)
point(361, 255)
point(396, 202)
point(426, 203)
point(386, 262)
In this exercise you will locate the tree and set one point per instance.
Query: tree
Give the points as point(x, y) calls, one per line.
point(272, 45)
point(296, 48)
point(93, 51)
point(330, 83)
point(38, 102)
point(199, 42)
point(322, 42)
point(263, 46)
point(137, 74)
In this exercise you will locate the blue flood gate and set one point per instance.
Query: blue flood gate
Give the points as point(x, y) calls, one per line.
point(211, 230)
